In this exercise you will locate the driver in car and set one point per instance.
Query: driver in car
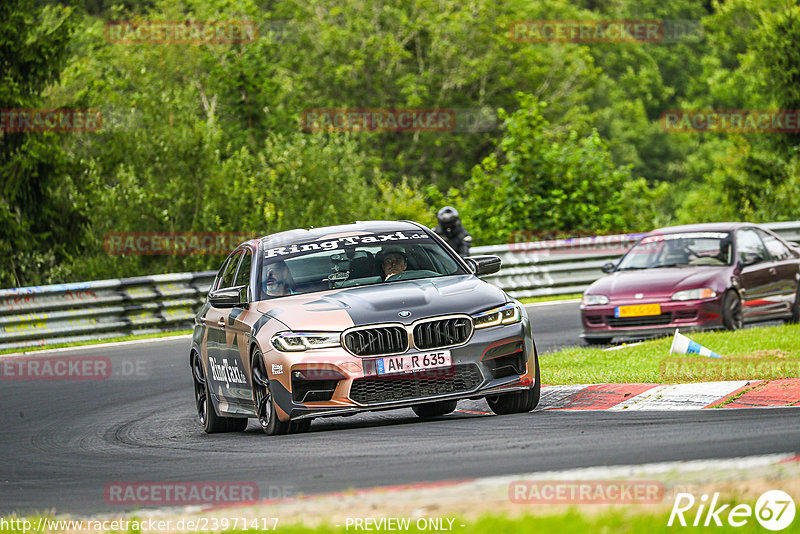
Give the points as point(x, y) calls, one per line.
point(393, 262)
point(278, 280)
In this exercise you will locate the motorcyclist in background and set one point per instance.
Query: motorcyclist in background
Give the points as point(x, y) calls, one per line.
point(452, 231)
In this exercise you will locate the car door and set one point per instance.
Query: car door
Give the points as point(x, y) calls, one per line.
point(235, 349)
point(783, 269)
point(220, 373)
point(755, 275)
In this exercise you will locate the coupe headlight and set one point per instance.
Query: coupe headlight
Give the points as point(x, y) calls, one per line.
point(595, 300)
point(507, 314)
point(297, 341)
point(694, 294)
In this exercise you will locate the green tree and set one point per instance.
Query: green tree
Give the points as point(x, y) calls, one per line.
point(545, 181)
point(39, 224)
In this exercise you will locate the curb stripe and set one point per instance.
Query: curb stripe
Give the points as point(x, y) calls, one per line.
point(555, 397)
point(747, 387)
point(680, 396)
point(603, 396)
point(648, 396)
point(782, 392)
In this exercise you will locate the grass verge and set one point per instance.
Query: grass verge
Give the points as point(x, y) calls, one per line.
point(98, 341)
point(548, 298)
point(755, 353)
point(625, 520)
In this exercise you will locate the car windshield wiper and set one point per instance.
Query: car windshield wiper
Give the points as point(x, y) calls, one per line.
point(632, 268)
point(669, 265)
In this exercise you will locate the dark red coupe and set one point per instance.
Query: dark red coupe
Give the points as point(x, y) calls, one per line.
point(719, 275)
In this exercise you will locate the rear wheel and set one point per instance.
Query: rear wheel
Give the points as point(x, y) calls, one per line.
point(434, 409)
point(520, 402)
point(732, 317)
point(796, 307)
point(263, 400)
point(212, 423)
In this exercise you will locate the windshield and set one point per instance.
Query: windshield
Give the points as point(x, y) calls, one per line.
point(678, 250)
point(351, 261)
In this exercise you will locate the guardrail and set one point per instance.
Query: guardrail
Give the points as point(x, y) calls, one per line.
point(63, 313)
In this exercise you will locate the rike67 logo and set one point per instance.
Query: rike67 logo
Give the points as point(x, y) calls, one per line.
point(774, 510)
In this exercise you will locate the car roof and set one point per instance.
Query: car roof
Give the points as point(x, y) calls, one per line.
point(702, 227)
point(302, 235)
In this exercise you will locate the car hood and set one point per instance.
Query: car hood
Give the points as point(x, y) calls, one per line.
point(662, 282)
point(381, 303)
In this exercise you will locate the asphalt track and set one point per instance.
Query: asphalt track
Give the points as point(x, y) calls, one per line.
point(62, 442)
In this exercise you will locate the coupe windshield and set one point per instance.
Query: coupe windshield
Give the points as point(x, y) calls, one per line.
point(678, 250)
point(337, 262)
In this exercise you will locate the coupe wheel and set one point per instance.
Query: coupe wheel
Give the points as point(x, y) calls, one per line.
point(520, 402)
point(434, 409)
point(263, 400)
point(212, 423)
point(796, 307)
point(732, 317)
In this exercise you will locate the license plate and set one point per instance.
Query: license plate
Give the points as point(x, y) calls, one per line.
point(637, 310)
point(413, 362)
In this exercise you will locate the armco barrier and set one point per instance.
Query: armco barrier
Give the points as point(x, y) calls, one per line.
point(45, 315)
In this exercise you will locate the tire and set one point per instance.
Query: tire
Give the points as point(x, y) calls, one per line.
point(434, 409)
point(299, 427)
point(795, 318)
point(211, 422)
point(520, 402)
point(597, 340)
point(264, 402)
point(732, 318)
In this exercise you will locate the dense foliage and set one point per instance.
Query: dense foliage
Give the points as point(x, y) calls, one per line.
point(208, 137)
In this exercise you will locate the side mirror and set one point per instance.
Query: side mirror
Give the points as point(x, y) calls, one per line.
point(229, 297)
point(482, 265)
point(751, 258)
point(608, 267)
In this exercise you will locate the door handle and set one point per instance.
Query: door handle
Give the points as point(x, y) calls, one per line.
point(221, 322)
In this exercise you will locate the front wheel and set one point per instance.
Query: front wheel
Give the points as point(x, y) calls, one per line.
point(732, 317)
point(520, 402)
point(212, 423)
point(434, 409)
point(263, 400)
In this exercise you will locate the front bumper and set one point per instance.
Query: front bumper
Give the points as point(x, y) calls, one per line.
point(600, 322)
point(494, 361)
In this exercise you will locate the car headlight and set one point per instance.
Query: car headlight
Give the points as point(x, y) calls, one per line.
point(297, 341)
point(506, 314)
point(694, 294)
point(595, 300)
